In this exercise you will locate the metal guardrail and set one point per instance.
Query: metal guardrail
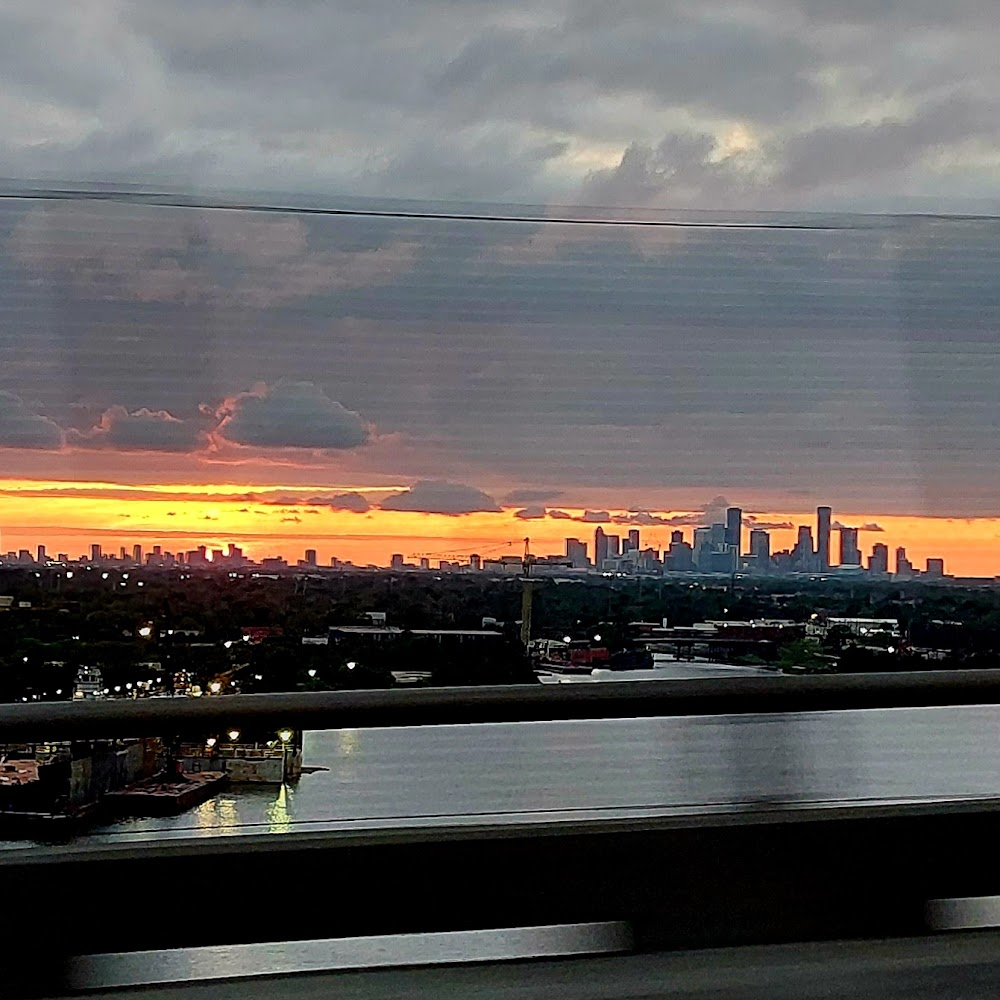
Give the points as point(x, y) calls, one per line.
point(513, 703)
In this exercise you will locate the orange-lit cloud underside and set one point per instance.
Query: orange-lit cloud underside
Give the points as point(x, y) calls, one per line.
point(69, 517)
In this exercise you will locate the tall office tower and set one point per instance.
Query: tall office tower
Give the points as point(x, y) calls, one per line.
point(803, 556)
point(702, 547)
point(157, 551)
point(95, 552)
point(823, 515)
point(576, 553)
point(850, 554)
point(718, 536)
point(935, 567)
point(613, 546)
point(760, 547)
point(734, 523)
point(878, 561)
point(633, 540)
point(137, 554)
point(903, 565)
point(600, 547)
point(310, 557)
point(42, 557)
point(396, 560)
point(425, 563)
point(476, 561)
point(679, 558)
point(676, 536)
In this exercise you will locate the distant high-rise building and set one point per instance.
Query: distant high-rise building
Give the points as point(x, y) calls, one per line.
point(850, 554)
point(137, 554)
point(802, 556)
point(310, 558)
point(903, 565)
point(878, 561)
point(425, 563)
point(935, 567)
point(760, 548)
point(823, 515)
point(95, 552)
point(576, 553)
point(122, 554)
point(718, 536)
point(476, 561)
point(396, 560)
point(614, 549)
point(680, 557)
point(702, 548)
point(601, 549)
point(42, 557)
point(157, 551)
point(633, 540)
point(734, 524)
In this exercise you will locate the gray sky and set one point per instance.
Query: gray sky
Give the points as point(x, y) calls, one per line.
point(853, 361)
point(758, 103)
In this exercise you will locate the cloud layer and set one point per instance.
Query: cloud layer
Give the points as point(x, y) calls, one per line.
point(290, 415)
point(20, 427)
point(799, 357)
point(441, 497)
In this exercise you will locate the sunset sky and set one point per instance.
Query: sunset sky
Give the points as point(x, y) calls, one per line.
point(367, 384)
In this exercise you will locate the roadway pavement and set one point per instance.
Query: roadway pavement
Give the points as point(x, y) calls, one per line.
point(964, 966)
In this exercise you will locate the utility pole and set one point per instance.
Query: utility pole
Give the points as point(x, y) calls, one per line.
point(527, 595)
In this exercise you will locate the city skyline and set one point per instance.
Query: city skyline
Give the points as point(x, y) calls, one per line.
point(714, 540)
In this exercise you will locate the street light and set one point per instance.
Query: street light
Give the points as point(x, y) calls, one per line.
point(351, 664)
point(210, 742)
point(311, 671)
point(284, 735)
point(234, 735)
point(215, 687)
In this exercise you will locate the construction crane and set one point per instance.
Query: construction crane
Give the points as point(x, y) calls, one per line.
point(528, 588)
point(459, 555)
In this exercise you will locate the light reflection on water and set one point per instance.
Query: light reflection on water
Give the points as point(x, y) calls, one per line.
point(398, 775)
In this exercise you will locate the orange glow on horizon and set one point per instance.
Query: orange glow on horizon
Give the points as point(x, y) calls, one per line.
point(177, 518)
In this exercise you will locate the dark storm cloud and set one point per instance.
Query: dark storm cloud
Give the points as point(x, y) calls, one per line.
point(142, 430)
point(531, 513)
point(350, 501)
point(290, 415)
point(441, 497)
point(20, 427)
